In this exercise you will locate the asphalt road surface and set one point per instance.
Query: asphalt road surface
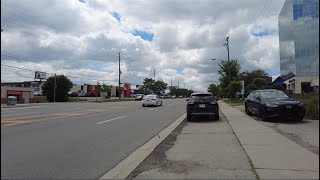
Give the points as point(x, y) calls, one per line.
point(77, 140)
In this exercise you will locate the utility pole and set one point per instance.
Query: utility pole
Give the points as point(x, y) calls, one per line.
point(154, 74)
point(55, 86)
point(119, 78)
point(178, 84)
point(171, 87)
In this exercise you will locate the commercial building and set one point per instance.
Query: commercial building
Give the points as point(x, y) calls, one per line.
point(299, 44)
point(24, 91)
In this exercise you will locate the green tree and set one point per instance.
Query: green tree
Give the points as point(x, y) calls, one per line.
point(63, 86)
point(214, 89)
point(234, 87)
point(259, 83)
point(159, 87)
point(248, 77)
point(106, 89)
point(229, 70)
point(152, 86)
point(249, 88)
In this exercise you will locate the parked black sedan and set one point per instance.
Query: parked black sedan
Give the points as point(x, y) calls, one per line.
point(271, 103)
point(201, 104)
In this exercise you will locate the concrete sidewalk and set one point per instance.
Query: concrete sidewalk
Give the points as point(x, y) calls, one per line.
point(199, 149)
point(273, 155)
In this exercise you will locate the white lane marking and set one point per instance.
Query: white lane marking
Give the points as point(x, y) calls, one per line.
point(20, 113)
point(152, 109)
point(21, 107)
point(111, 119)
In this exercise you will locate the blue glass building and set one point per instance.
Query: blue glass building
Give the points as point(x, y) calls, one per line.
point(299, 44)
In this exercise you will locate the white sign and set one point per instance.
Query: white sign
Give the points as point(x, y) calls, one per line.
point(40, 75)
point(242, 88)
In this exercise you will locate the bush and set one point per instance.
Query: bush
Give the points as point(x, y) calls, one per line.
point(311, 104)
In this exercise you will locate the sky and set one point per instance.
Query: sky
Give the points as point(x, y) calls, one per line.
point(166, 39)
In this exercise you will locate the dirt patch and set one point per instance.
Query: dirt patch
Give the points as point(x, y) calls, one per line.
point(158, 159)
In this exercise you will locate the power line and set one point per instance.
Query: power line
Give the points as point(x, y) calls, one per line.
point(260, 14)
point(14, 67)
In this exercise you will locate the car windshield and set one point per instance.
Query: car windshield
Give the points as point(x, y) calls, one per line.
point(151, 96)
point(273, 94)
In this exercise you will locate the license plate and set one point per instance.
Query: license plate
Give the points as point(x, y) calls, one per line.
point(288, 107)
point(202, 105)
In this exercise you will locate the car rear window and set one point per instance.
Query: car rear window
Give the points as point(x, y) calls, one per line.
point(202, 98)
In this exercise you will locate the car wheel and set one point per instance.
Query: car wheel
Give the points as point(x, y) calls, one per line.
point(217, 117)
point(161, 103)
point(299, 118)
point(247, 111)
point(143, 105)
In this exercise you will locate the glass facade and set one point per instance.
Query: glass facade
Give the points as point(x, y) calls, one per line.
point(299, 38)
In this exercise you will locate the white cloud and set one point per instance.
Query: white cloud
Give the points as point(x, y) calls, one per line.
point(70, 37)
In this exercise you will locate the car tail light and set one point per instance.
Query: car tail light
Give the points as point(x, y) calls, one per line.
point(190, 102)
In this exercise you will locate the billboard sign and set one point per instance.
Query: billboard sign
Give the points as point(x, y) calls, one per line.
point(40, 75)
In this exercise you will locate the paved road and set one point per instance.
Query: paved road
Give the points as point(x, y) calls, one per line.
point(77, 140)
point(305, 133)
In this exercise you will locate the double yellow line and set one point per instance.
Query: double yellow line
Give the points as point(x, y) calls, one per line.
point(29, 119)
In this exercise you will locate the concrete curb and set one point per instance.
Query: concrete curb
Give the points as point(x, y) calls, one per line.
point(126, 166)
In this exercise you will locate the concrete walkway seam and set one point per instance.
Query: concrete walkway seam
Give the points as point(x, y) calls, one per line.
point(253, 169)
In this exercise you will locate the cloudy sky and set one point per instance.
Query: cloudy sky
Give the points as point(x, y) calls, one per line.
point(178, 38)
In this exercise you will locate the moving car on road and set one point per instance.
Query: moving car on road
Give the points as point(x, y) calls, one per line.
point(173, 97)
point(271, 103)
point(151, 100)
point(201, 104)
point(139, 97)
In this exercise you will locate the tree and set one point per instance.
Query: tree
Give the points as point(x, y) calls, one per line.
point(106, 89)
point(63, 86)
point(214, 89)
point(248, 77)
point(152, 86)
point(259, 83)
point(234, 87)
point(249, 88)
point(159, 87)
point(229, 70)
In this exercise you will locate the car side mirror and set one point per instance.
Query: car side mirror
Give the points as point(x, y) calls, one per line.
point(187, 99)
point(216, 99)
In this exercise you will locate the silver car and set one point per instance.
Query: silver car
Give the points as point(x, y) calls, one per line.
point(151, 100)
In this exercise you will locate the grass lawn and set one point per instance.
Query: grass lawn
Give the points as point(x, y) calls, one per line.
point(234, 102)
point(42, 99)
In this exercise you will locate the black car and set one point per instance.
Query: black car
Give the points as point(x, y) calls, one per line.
point(271, 103)
point(73, 94)
point(202, 104)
